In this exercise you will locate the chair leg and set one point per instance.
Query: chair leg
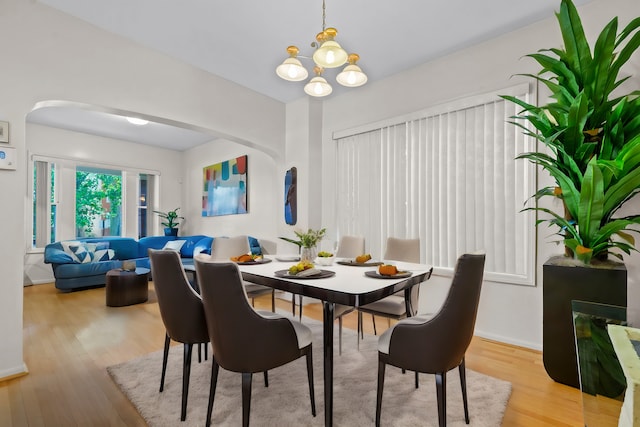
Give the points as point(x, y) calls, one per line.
point(300, 302)
point(293, 305)
point(186, 372)
point(359, 331)
point(246, 398)
point(463, 386)
point(212, 389)
point(340, 335)
point(375, 332)
point(381, 367)
point(416, 379)
point(206, 351)
point(273, 301)
point(165, 356)
point(266, 378)
point(441, 393)
point(310, 379)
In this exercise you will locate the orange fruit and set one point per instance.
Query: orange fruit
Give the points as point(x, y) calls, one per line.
point(387, 270)
point(245, 258)
point(363, 258)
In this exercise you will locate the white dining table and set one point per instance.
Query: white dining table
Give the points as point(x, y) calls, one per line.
point(349, 286)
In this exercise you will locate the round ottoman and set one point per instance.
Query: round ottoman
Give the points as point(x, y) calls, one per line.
point(127, 287)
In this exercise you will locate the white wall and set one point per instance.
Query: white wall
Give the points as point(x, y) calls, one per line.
point(52, 56)
point(507, 313)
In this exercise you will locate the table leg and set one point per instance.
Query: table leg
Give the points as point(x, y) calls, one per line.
point(407, 301)
point(328, 313)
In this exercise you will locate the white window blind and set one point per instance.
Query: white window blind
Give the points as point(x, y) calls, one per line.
point(447, 175)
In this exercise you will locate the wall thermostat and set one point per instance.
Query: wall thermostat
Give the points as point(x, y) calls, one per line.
point(8, 158)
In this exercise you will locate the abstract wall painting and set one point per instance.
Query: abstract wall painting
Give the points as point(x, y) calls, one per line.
point(291, 196)
point(224, 189)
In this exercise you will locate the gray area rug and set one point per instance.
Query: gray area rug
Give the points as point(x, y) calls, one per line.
point(286, 401)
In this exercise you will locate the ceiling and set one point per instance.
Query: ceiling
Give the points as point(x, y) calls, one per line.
point(245, 40)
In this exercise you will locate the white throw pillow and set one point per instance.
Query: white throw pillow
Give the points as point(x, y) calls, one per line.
point(174, 245)
point(77, 251)
point(103, 255)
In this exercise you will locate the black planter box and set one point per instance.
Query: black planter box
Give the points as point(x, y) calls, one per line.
point(563, 283)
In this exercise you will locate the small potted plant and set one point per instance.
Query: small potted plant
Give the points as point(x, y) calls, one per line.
point(170, 221)
point(307, 242)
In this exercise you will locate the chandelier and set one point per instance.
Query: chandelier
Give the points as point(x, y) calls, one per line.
point(328, 54)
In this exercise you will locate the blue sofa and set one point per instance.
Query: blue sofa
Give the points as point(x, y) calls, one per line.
point(71, 273)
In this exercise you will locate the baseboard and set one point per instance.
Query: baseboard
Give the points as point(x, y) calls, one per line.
point(39, 282)
point(510, 341)
point(18, 371)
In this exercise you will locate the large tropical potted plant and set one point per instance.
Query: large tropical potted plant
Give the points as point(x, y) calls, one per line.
point(590, 134)
point(170, 221)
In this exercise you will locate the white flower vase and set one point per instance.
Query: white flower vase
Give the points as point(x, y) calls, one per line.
point(309, 254)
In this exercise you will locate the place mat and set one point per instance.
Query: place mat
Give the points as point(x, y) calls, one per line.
point(360, 264)
point(254, 261)
point(286, 258)
point(399, 275)
point(322, 275)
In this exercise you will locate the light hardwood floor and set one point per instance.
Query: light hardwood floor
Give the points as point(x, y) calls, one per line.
point(70, 338)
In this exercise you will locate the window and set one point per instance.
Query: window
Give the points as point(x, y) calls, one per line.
point(74, 199)
point(448, 176)
point(145, 200)
point(142, 207)
point(44, 203)
point(98, 202)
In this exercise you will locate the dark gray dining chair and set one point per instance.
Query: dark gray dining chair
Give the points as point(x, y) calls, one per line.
point(223, 248)
point(245, 340)
point(181, 311)
point(436, 344)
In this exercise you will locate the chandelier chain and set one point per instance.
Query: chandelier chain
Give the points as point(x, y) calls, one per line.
point(324, 15)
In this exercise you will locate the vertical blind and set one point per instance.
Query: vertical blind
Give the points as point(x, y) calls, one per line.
point(447, 176)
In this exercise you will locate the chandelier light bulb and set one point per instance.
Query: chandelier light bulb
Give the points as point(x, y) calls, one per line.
point(317, 89)
point(292, 72)
point(331, 57)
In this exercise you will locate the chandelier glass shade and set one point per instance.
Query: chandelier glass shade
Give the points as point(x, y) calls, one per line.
point(318, 86)
point(352, 75)
point(328, 54)
point(291, 69)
